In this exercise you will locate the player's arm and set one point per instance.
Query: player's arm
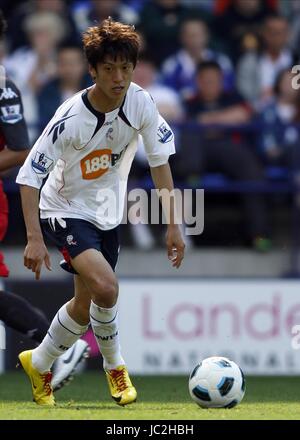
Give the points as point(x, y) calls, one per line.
point(159, 144)
point(35, 252)
point(162, 178)
point(39, 163)
point(37, 166)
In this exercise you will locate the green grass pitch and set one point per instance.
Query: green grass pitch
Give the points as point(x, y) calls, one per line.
point(159, 398)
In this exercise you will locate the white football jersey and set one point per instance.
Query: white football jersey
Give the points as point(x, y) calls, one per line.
point(88, 155)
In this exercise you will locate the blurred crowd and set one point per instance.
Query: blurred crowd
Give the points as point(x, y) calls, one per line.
point(210, 62)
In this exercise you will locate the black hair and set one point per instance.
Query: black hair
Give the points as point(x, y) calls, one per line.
point(69, 44)
point(274, 16)
point(205, 65)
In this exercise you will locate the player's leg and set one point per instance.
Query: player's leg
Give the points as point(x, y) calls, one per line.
point(70, 321)
point(37, 363)
point(62, 334)
point(67, 364)
point(97, 276)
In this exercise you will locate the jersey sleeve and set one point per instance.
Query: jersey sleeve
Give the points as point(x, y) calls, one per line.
point(12, 123)
point(157, 135)
point(44, 154)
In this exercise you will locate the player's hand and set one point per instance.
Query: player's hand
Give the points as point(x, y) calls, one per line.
point(35, 255)
point(175, 245)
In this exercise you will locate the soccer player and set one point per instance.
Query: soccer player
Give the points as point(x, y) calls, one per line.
point(87, 150)
point(15, 311)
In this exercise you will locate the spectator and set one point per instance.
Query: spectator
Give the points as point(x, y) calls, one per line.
point(179, 71)
point(45, 30)
point(167, 100)
point(279, 138)
point(238, 26)
point(88, 13)
point(160, 22)
point(220, 150)
point(257, 70)
point(71, 77)
point(18, 35)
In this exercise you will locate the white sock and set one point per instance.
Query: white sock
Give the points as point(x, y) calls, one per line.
point(105, 327)
point(62, 334)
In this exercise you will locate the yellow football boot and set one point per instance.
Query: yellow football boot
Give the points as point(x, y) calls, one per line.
point(40, 382)
point(120, 386)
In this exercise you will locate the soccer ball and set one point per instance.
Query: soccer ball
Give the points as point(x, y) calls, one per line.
point(217, 382)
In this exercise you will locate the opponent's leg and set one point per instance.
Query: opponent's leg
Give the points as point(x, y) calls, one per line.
point(20, 315)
